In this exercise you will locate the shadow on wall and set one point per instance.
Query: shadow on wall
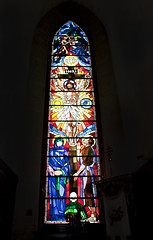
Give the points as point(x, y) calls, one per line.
point(8, 183)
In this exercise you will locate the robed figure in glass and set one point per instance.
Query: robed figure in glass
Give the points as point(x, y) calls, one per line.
point(88, 182)
point(58, 170)
point(72, 137)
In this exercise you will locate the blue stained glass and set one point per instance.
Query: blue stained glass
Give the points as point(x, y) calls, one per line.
point(77, 50)
point(71, 29)
point(86, 103)
point(57, 185)
point(71, 40)
point(72, 130)
point(83, 61)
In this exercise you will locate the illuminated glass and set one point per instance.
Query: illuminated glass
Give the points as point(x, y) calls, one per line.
point(73, 161)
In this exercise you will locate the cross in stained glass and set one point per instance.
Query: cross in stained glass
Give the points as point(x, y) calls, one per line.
point(73, 162)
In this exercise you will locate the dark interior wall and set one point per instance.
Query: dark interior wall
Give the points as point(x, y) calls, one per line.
point(107, 98)
point(36, 86)
point(122, 36)
point(130, 34)
point(108, 101)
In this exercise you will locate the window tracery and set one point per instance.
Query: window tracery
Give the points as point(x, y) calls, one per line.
point(73, 161)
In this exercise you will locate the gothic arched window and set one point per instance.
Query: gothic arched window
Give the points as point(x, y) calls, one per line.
point(73, 161)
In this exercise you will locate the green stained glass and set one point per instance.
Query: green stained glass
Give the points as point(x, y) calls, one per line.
point(73, 162)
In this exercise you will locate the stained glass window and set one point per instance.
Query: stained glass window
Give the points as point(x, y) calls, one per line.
point(73, 162)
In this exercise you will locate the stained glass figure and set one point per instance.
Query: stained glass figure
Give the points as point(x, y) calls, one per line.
point(58, 169)
point(73, 161)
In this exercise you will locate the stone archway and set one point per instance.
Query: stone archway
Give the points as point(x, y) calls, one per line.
point(103, 72)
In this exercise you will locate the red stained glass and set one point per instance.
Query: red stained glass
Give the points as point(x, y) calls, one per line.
point(72, 146)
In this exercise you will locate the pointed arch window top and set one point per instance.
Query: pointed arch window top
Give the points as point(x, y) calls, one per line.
point(70, 39)
point(71, 29)
point(72, 156)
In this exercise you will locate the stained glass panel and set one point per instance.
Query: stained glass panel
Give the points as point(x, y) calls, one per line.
point(73, 161)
